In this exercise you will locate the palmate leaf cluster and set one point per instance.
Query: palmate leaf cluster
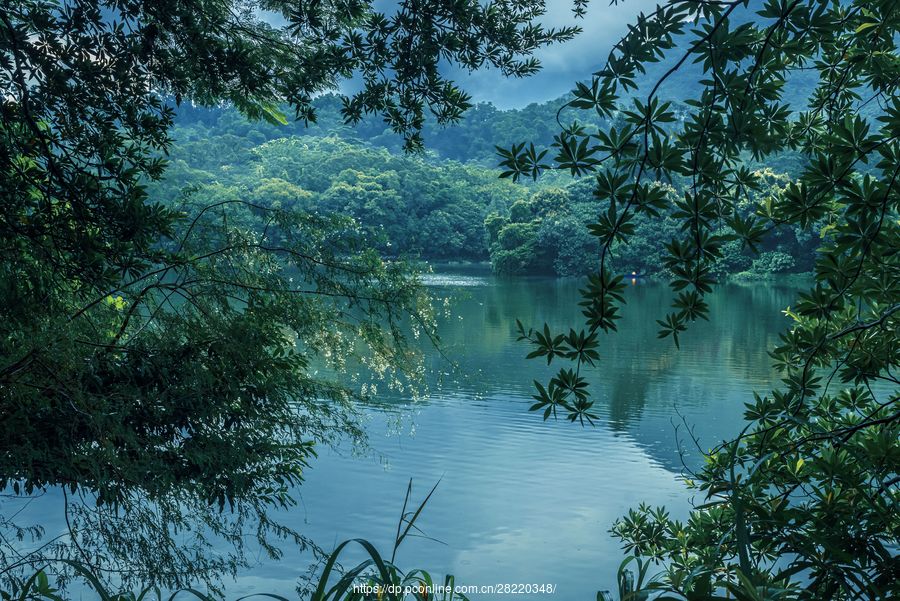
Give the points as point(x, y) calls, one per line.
point(160, 363)
point(801, 505)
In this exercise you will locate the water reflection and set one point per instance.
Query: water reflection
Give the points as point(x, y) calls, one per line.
point(522, 500)
point(719, 363)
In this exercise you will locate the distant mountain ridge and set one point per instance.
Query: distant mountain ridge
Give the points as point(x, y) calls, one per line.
point(472, 140)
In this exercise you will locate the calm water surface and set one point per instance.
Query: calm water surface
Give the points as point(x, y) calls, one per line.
point(521, 500)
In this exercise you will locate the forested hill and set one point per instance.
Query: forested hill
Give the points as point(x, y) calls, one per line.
point(447, 204)
point(471, 140)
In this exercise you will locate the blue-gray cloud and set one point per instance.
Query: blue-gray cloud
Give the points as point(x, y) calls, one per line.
point(563, 64)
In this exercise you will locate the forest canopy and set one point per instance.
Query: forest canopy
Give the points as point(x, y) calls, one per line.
point(446, 205)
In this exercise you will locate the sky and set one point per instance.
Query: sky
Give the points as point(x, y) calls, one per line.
point(563, 64)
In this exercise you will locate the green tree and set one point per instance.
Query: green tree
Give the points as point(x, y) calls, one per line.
point(280, 194)
point(411, 205)
point(802, 504)
point(155, 358)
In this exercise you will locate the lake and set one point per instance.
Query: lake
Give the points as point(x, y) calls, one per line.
point(521, 500)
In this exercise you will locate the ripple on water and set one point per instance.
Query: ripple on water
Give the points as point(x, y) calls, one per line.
point(454, 280)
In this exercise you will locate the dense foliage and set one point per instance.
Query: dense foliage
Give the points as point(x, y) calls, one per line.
point(547, 232)
point(436, 209)
point(156, 358)
point(802, 505)
point(407, 205)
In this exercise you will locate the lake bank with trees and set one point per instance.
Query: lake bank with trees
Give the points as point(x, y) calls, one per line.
point(199, 308)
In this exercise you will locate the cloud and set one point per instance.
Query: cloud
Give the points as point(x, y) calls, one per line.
point(563, 64)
